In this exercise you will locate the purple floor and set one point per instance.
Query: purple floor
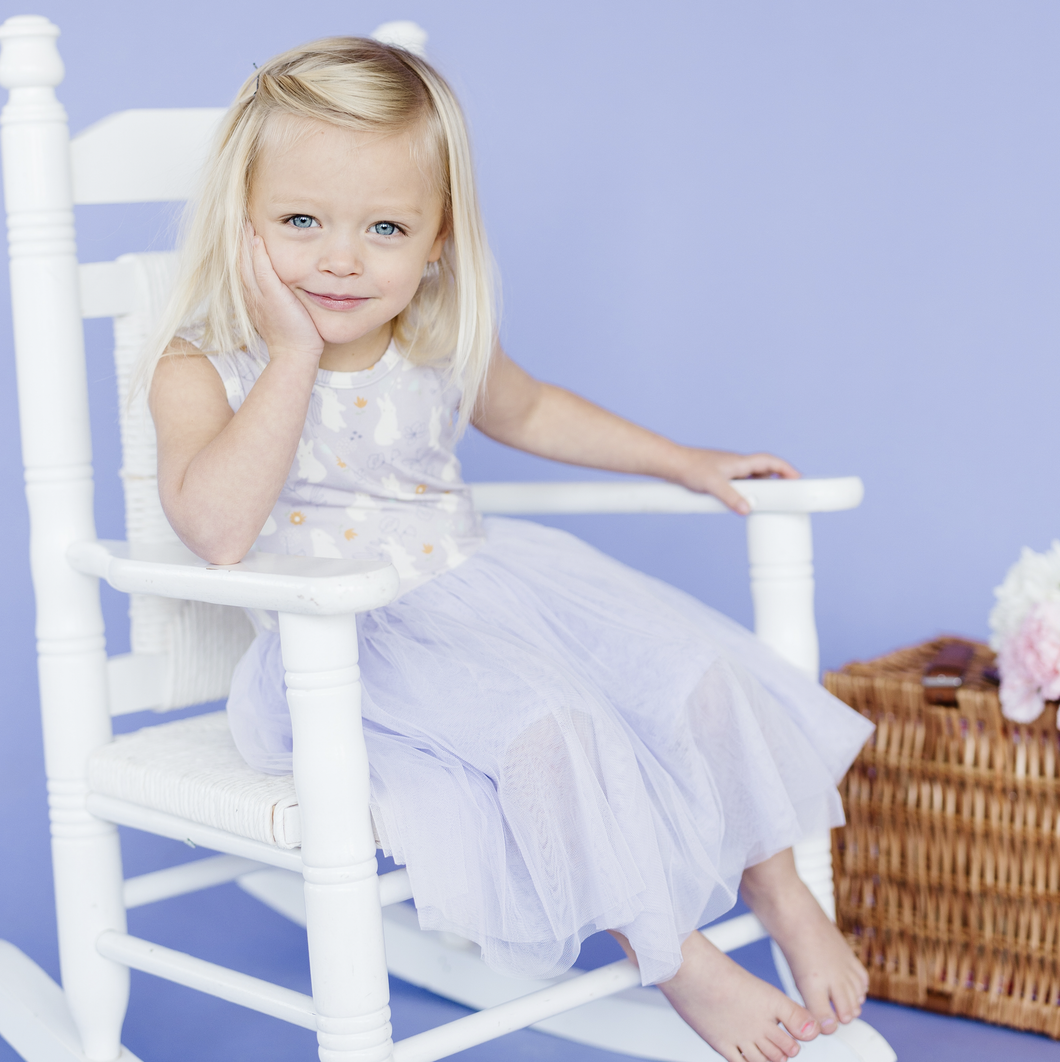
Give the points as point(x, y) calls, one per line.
point(167, 1023)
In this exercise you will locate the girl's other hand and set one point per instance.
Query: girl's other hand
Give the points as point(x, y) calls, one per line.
point(549, 421)
point(281, 320)
point(709, 472)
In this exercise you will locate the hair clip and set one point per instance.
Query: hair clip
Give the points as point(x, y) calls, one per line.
point(257, 80)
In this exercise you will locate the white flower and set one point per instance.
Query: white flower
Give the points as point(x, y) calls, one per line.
point(1033, 579)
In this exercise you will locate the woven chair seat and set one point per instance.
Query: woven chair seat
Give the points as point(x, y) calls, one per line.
point(191, 768)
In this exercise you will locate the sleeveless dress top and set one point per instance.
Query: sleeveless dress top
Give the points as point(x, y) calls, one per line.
point(558, 744)
point(366, 481)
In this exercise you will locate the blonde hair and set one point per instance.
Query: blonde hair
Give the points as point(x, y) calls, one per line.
point(364, 85)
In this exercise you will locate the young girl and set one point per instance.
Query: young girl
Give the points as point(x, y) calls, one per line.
point(559, 745)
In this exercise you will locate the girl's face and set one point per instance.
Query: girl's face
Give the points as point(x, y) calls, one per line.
point(350, 223)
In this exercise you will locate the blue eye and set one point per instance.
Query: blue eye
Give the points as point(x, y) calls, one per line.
point(384, 228)
point(302, 221)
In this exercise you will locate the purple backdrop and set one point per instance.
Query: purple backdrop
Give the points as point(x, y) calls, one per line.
point(825, 229)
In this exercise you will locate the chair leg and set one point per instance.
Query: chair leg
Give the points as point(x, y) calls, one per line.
point(351, 991)
point(780, 550)
point(86, 855)
point(86, 858)
point(813, 861)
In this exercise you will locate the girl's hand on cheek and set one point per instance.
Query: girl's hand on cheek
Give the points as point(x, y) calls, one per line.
point(709, 472)
point(281, 320)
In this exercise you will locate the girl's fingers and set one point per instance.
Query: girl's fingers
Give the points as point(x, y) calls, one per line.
point(730, 497)
point(281, 320)
point(712, 470)
point(251, 268)
point(248, 253)
point(259, 274)
point(267, 281)
point(760, 465)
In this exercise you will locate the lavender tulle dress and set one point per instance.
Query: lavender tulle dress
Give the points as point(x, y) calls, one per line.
point(558, 744)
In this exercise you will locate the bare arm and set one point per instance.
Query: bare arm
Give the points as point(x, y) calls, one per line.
point(219, 473)
point(551, 422)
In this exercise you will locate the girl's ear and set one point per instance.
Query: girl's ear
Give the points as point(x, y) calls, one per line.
point(439, 243)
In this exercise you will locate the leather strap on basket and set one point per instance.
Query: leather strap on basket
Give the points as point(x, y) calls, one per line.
point(945, 674)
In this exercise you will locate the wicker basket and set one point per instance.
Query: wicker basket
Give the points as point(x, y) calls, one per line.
point(948, 870)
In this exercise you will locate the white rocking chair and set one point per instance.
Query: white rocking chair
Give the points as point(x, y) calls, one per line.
point(304, 845)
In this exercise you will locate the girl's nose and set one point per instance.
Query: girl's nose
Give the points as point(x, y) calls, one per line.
point(342, 258)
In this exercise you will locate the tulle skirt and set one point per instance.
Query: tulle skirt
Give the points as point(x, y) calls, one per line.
point(561, 745)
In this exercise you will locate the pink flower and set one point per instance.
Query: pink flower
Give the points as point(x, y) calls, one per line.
point(1029, 663)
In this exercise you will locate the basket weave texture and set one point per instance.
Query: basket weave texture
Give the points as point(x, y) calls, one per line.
point(948, 870)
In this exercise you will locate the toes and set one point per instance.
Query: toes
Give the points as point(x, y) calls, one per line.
point(861, 983)
point(847, 999)
point(771, 1052)
point(780, 1043)
point(752, 1053)
point(774, 1046)
point(799, 1022)
point(819, 1005)
point(847, 992)
point(846, 1007)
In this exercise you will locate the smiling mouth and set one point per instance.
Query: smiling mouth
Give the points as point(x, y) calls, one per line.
point(336, 302)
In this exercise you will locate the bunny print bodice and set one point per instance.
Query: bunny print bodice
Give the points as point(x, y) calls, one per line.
point(375, 474)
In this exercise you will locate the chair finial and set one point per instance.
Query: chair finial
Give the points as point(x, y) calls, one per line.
point(28, 55)
point(403, 34)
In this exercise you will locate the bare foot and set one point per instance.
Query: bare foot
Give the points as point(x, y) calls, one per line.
point(735, 1012)
point(831, 979)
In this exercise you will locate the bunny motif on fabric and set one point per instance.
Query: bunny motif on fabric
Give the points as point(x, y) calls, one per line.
point(384, 436)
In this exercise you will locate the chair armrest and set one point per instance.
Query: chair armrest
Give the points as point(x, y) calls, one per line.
point(656, 496)
point(308, 586)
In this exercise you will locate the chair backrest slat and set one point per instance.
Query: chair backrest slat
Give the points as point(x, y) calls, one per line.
point(137, 681)
point(198, 644)
point(142, 156)
point(108, 289)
